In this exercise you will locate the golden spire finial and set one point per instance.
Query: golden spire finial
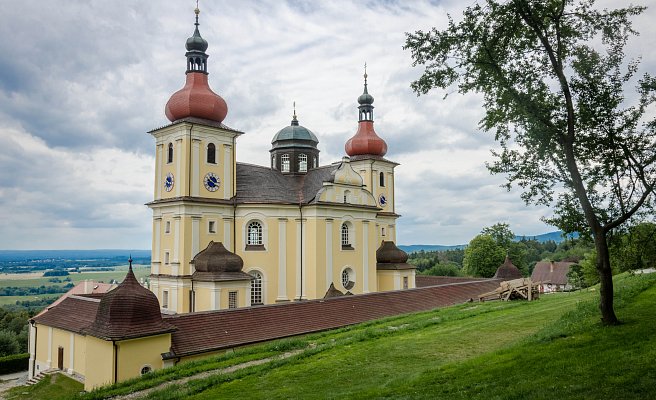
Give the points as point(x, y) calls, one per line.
point(197, 10)
point(294, 116)
point(365, 72)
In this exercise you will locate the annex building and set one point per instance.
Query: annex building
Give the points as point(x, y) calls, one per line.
point(236, 244)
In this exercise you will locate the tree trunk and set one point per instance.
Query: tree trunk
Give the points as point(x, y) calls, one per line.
point(608, 316)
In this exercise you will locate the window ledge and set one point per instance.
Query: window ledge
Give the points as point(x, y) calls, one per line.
point(347, 247)
point(255, 247)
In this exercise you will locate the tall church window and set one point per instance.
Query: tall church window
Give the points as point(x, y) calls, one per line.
point(302, 163)
point(254, 234)
point(165, 299)
point(256, 288)
point(346, 236)
point(232, 299)
point(169, 158)
point(284, 162)
point(382, 180)
point(211, 153)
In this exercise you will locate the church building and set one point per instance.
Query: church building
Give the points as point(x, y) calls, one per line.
point(297, 225)
point(235, 240)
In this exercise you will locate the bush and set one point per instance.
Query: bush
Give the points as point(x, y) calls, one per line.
point(14, 363)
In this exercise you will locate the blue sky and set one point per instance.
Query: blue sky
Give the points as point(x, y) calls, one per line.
point(81, 82)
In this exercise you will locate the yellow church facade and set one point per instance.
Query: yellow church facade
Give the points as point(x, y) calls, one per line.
point(298, 226)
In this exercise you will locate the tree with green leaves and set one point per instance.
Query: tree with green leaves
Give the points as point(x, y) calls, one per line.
point(557, 94)
point(483, 256)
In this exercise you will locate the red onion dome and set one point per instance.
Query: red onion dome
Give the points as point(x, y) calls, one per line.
point(365, 141)
point(196, 99)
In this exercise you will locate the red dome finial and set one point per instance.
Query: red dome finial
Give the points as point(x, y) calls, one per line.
point(365, 141)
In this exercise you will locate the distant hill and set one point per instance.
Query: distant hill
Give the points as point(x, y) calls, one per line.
point(556, 236)
point(27, 255)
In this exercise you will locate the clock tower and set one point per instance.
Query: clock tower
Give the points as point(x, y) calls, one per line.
point(194, 181)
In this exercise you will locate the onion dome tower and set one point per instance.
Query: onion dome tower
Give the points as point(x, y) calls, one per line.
point(129, 311)
point(196, 99)
point(294, 149)
point(366, 141)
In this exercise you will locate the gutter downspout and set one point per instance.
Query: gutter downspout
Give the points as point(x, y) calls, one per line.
point(300, 211)
point(115, 346)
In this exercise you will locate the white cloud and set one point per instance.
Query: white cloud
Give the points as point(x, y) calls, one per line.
point(82, 83)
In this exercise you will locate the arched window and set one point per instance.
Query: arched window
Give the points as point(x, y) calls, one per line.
point(170, 154)
point(346, 236)
point(382, 179)
point(284, 161)
point(211, 153)
point(254, 234)
point(256, 288)
point(302, 163)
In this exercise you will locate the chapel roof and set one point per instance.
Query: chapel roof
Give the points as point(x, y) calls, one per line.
point(216, 263)
point(508, 271)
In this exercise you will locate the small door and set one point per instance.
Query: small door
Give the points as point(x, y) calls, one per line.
point(60, 358)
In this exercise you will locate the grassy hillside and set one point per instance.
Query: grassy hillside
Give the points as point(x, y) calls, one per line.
point(551, 348)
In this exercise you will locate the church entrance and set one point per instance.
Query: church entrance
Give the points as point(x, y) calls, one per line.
point(60, 358)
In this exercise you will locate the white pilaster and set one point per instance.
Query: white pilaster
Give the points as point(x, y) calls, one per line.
point(301, 288)
point(71, 353)
point(282, 260)
point(227, 233)
point(195, 172)
point(49, 360)
point(227, 172)
point(329, 252)
point(178, 167)
point(365, 256)
point(173, 300)
point(159, 180)
point(215, 299)
point(157, 239)
point(176, 239)
point(32, 346)
point(195, 238)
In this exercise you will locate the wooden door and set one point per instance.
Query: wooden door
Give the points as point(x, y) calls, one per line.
point(60, 358)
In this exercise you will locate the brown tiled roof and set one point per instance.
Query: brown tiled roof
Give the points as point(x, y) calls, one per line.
point(332, 292)
point(431, 280)
point(258, 184)
point(390, 257)
point(128, 312)
point(215, 330)
point(73, 313)
point(84, 288)
point(543, 272)
point(508, 271)
point(216, 263)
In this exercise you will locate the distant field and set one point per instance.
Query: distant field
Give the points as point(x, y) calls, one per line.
point(104, 276)
point(28, 280)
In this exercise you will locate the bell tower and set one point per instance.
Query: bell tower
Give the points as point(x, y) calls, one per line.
point(195, 172)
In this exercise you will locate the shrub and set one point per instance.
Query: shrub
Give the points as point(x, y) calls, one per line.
point(8, 343)
point(14, 363)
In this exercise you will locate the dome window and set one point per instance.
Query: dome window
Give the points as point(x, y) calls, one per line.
point(302, 163)
point(211, 153)
point(284, 163)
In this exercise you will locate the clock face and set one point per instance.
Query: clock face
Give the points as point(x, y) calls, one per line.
point(382, 200)
point(169, 182)
point(212, 182)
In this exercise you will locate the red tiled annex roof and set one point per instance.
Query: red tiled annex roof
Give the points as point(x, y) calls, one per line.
point(551, 272)
point(84, 288)
point(215, 330)
point(73, 313)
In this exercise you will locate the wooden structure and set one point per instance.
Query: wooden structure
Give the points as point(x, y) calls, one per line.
point(522, 288)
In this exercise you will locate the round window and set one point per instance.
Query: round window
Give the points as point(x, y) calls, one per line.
point(146, 369)
point(348, 279)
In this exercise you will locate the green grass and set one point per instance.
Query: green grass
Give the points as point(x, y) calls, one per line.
point(8, 300)
point(551, 348)
point(52, 387)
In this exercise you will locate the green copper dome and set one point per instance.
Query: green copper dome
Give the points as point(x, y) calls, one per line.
point(295, 132)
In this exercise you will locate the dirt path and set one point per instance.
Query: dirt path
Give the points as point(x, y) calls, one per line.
point(146, 392)
point(11, 380)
